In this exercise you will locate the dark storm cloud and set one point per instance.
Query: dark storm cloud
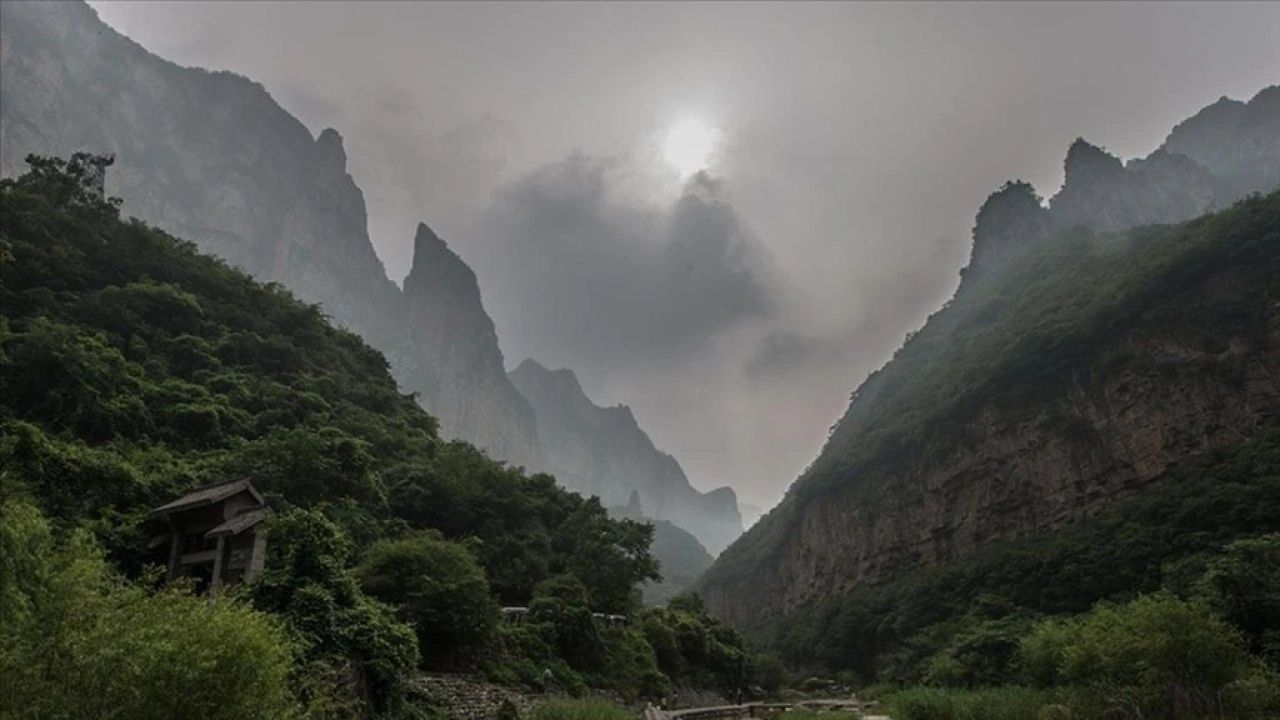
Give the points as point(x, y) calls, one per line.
point(613, 282)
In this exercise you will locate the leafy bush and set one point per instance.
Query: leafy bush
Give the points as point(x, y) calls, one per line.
point(981, 654)
point(1157, 656)
point(308, 583)
point(1000, 703)
point(438, 587)
point(75, 638)
point(1243, 585)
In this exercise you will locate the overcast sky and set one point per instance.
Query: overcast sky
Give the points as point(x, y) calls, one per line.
point(734, 312)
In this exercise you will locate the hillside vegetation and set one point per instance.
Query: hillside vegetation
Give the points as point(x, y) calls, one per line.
point(1142, 610)
point(134, 368)
point(1045, 320)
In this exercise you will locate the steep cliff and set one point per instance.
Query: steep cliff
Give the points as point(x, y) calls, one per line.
point(211, 157)
point(1072, 369)
point(603, 451)
point(450, 355)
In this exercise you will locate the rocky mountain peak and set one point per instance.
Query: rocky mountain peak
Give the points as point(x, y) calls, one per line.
point(1087, 162)
point(1011, 217)
point(1238, 142)
point(563, 382)
point(330, 154)
point(431, 254)
point(451, 356)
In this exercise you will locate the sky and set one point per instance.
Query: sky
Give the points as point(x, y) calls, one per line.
point(737, 308)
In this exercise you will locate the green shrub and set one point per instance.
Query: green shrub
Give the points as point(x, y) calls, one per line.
point(1157, 656)
point(307, 583)
point(980, 654)
point(438, 587)
point(1243, 585)
point(1002, 703)
point(507, 711)
point(75, 638)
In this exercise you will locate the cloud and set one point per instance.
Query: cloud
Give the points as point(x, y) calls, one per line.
point(783, 352)
point(608, 280)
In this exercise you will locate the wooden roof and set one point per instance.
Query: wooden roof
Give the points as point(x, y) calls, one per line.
point(240, 523)
point(207, 496)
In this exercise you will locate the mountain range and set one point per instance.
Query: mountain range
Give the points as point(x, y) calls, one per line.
point(212, 157)
point(1093, 347)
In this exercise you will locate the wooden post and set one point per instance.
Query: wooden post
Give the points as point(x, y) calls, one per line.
point(217, 566)
point(175, 547)
point(257, 554)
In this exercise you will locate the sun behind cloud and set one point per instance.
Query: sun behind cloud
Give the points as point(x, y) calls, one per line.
point(689, 146)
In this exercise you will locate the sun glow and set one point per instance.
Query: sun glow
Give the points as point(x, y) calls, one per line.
point(689, 146)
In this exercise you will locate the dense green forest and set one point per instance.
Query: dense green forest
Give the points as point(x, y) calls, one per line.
point(135, 368)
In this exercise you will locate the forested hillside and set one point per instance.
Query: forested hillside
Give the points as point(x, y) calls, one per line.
point(1090, 420)
point(1035, 398)
point(134, 369)
point(213, 158)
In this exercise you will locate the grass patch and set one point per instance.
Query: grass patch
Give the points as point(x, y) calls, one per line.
point(589, 709)
point(1004, 703)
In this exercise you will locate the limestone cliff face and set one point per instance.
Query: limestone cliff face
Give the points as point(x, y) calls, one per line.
point(603, 452)
point(1022, 465)
point(1181, 376)
point(450, 354)
point(211, 157)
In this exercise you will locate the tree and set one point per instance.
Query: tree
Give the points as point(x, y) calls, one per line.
point(307, 582)
point(561, 603)
point(438, 587)
point(1157, 653)
point(1243, 584)
point(610, 556)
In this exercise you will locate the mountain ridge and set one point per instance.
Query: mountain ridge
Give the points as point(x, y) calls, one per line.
point(212, 157)
point(927, 465)
point(603, 451)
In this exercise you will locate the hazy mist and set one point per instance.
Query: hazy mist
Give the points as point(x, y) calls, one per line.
point(734, 311)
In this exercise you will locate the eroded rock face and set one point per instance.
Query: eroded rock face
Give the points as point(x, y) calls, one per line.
point(450, 353)
point(1018, 468)
point(604, 452)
